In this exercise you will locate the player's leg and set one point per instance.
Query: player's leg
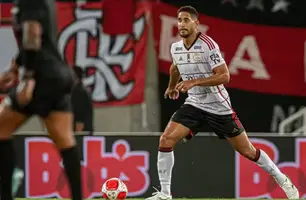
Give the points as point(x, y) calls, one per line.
point(173, 133)
point(165, 160)
point(242, 144)
point(58, 121)
point(10, 121)
point(59, 126)
point(229, 127)
point(179, 127)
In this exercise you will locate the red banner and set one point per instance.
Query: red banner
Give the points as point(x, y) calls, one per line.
point(260, 58)
point(114, 65)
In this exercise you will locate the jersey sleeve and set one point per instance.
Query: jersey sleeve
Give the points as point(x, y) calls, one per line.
point(213, 54)
point(172, 55)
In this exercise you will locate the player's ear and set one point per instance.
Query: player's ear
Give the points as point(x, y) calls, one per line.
point(197, 22)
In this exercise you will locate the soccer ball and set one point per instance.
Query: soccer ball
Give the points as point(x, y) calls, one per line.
point(114, 189)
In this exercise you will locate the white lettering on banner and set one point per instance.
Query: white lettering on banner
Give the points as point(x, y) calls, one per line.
point(255, 64)
point(109, 53)
point(167, 38)
point(249, 45)
point(279, 115)
point(44, 169)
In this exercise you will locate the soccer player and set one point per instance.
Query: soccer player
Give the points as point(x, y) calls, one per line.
point(198, 61)
point(44, 91)
point(81, 104)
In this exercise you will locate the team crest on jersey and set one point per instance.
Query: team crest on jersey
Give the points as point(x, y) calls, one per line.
point(197, 47)
point(197, 57)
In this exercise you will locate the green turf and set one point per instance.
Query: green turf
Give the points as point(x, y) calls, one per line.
point(127, 199)
point(103, 199)
point(132, 199)
point(140, 199)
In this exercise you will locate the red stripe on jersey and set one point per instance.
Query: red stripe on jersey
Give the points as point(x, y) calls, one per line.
point(208, 41)
point(234, 115)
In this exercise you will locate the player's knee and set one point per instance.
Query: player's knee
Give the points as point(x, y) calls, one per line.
point(9, 123)
point(167, 140)
point(249, 153)
point(63, 140)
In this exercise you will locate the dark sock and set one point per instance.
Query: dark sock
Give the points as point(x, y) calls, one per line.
point(7, 164)
point(72, 164)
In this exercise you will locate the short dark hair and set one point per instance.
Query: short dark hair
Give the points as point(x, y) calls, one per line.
point(189, 9)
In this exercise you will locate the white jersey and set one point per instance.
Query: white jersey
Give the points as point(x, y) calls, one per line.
point(198, 62)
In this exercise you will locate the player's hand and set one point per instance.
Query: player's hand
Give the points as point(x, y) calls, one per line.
point(172, 93)
point(14, 66)
point(184, 86)
point(25, 91)
point(7, 79)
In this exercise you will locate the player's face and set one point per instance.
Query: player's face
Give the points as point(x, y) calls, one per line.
point(187, 24)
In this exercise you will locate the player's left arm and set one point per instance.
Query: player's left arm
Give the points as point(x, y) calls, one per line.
point(220, 76)
point(218, 66)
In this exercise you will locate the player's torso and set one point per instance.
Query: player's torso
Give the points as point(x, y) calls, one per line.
point(48, 60)
point(192, 64)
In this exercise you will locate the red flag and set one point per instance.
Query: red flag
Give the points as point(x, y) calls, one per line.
point(118, 16)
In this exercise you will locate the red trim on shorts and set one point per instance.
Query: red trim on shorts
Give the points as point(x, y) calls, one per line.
point(165, 149)
point(234, 115)
point(208, 41)
point(191, 133)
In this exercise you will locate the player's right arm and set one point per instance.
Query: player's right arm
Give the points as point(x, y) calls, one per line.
point(175, 76)
point(32, 18)
point(31, 21)
point(8, 78)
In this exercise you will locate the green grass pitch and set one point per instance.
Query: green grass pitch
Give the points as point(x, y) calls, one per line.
point(137, 199)
point(132, 199)
point(127, 199)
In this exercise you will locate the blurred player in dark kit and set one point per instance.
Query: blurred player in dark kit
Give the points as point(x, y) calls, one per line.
point(44, 90)
point(81, 104)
